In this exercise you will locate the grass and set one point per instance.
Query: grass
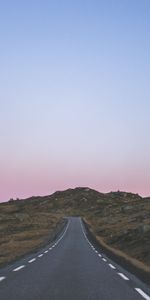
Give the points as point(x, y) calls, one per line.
point(120, 220)
point(23, 229)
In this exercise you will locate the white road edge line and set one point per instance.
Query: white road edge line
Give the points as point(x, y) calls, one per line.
point(104, 259)
point(2, 278)
point(31, 260)
point(58, 241)
point(123, 276)
point(145, 296)
point(111, 266)
point(19, 268)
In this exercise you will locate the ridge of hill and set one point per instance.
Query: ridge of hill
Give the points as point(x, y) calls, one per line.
point(121, 219)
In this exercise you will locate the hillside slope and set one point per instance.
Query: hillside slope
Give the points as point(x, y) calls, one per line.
point(121, 219)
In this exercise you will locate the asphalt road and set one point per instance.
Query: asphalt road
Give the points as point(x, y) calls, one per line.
point(70, 269)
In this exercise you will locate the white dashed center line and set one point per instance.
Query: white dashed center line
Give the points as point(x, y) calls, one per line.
point(19, 268)
point(145, 296)
point(46, 251)
point(2, 278)
point(99, 255)
point(40, 255)
point(123, 276)
point(31, 260)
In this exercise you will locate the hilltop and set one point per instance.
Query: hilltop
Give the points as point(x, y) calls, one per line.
point(120, 219)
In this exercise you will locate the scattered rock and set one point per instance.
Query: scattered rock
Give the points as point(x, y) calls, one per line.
point(145, 228)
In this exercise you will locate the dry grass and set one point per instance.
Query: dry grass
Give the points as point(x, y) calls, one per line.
point(120, 220)
point(24, 228)
point(120, 254)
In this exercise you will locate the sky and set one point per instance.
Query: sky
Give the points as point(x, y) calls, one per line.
point(74, 96)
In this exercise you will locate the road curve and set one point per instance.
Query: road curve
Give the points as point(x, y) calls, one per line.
point(70, 269)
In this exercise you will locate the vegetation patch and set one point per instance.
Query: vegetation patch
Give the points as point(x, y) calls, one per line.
point(120, 219)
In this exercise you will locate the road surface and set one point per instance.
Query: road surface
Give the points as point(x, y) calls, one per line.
point(70, 269)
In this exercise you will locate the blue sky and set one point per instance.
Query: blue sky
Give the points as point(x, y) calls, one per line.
point(74, 97)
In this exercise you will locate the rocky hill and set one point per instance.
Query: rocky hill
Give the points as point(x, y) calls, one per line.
point(120, 219)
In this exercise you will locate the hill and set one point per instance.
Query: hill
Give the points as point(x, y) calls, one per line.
point(120, 219)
